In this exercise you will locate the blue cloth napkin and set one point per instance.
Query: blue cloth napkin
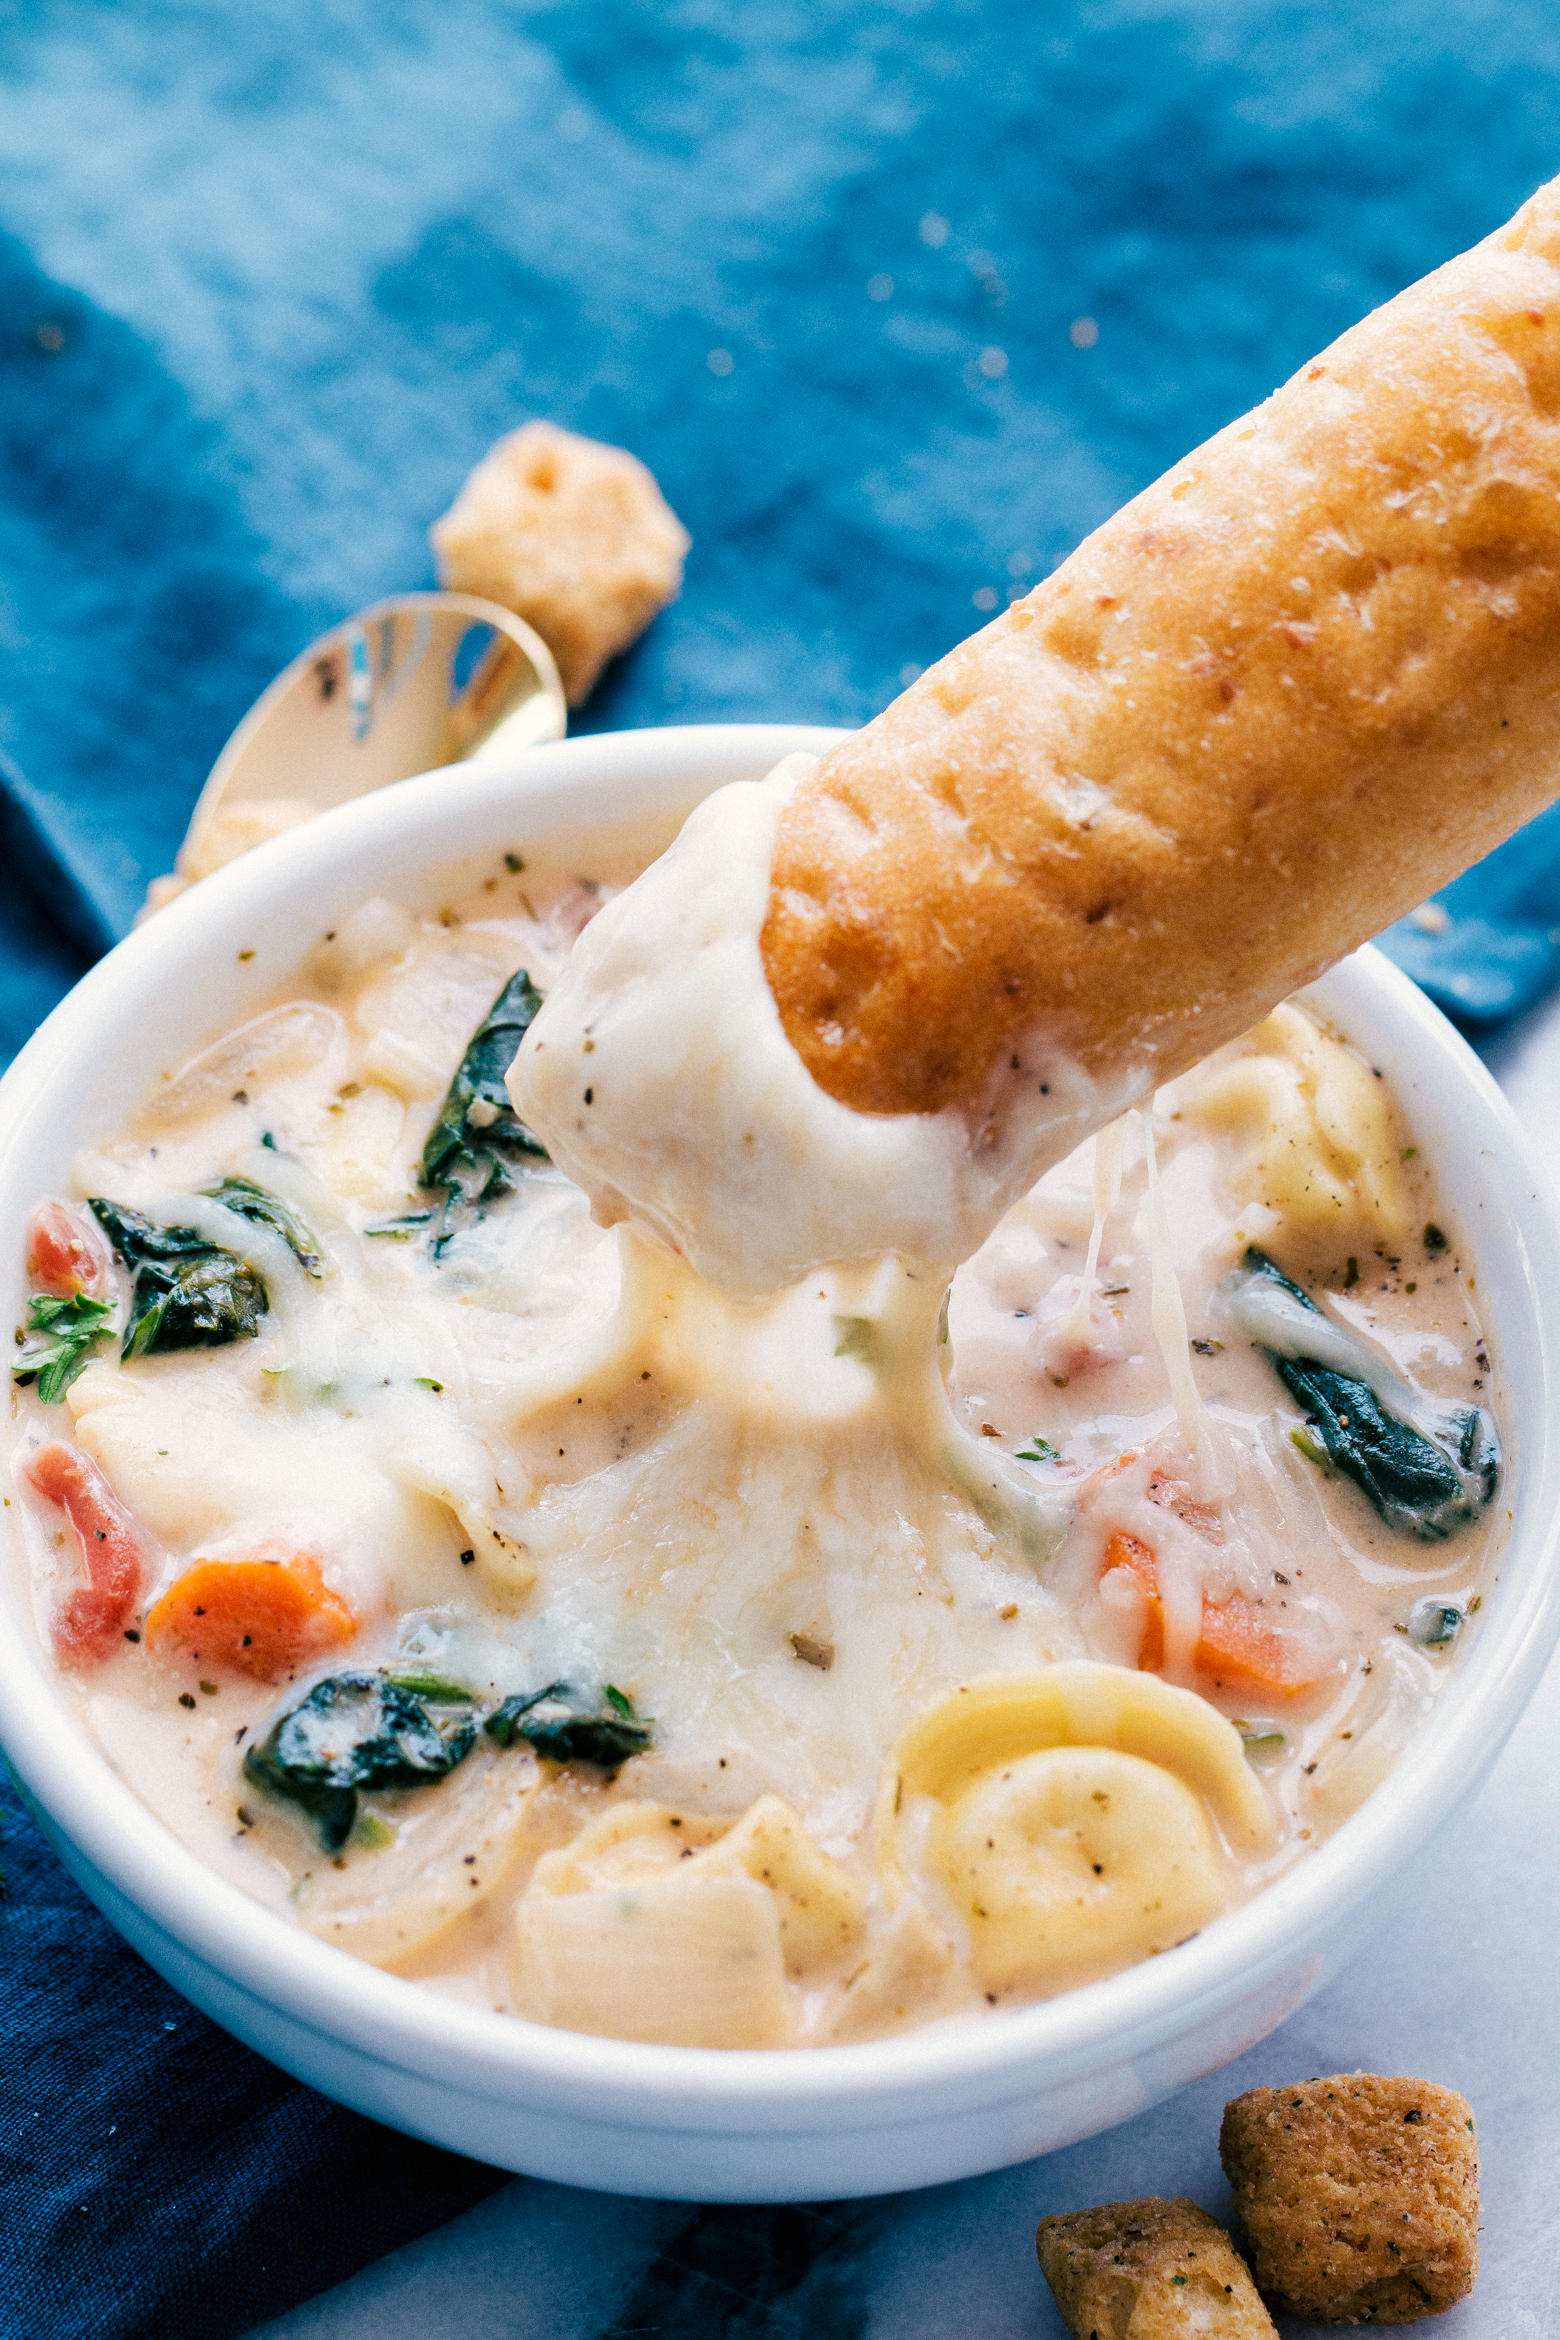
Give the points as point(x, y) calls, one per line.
point(899, 298)
point(1489, 944)
point(160, 2181)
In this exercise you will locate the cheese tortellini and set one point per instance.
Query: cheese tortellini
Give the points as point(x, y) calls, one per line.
point(659, 1926)
point(1066, 1819)
point(1319, 1147)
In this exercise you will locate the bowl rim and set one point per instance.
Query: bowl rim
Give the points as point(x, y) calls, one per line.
point(394, 2022)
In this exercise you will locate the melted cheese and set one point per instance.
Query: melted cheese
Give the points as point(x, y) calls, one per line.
point(660, 1077)
point(1109, 1156)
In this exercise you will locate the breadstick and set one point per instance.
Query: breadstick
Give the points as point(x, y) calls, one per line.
point(1281, 697)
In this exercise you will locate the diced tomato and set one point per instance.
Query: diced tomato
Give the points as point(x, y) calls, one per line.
point(117, 1554)
point(256, 1617)
point(65, 1253)
point(1236, 1643)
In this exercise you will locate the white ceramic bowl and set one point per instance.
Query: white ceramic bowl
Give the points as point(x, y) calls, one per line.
point(745, 2125)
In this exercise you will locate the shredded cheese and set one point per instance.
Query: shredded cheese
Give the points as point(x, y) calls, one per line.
point(1109, 1149)
point(1168, 1317)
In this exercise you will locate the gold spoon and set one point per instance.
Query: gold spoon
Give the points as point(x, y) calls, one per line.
point(419, 681)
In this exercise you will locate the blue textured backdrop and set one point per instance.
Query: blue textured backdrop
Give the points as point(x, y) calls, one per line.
point(272, 279)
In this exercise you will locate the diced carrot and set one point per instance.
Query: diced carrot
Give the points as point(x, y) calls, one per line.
point(1236, 1641)
point(255, 1617)
point(1124, 1551)
point(1175, 1495)
point(117, 1554)
point(1132, 1554)
point(65, 1253)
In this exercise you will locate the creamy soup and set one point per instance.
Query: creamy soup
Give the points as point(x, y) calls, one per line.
point(480, 1589)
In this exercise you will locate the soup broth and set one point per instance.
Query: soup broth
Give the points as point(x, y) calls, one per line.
point(485, 1593)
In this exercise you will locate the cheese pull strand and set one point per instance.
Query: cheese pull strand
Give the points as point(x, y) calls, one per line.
point(1167, 1313)
point(1109, 1150)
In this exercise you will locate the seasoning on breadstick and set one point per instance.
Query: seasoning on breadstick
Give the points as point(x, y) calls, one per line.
point(1281, 697)
point(1359, 2195)
point(1159, 2270)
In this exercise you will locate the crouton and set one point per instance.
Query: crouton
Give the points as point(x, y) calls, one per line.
point(1359, 2196)
point(1164, 2269)
point(573, 536)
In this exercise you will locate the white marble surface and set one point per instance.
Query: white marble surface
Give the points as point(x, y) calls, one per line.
point(1465, 1992)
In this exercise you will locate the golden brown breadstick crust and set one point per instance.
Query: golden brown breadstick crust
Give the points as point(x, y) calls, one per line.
point(1281, 697)
point(1359, 2196)
point(1165, 2268)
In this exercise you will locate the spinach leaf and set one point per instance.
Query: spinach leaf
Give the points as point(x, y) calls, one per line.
point(410, 1729)
point(434, 1689)
point(568, 1725)
point(1423, 1485)
point(72, 1325)
point(356, 1731)
point(186, 1293)
point(479, 1138)
point(265, 1209)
